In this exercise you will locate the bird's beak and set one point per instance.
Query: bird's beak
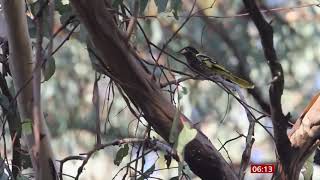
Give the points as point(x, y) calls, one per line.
point(182, 51)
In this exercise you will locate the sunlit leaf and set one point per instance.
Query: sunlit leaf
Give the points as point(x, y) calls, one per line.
point(168, 159)
point(175, 5)
point(123, 152)
point(27, 126)
point(186, 135)
point(174, 132)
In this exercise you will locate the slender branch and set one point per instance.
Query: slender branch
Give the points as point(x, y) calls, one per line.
point(279, 121)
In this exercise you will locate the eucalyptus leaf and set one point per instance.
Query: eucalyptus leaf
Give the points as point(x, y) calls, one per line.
point(174, 132)
point(143, 5)
point(123, 152)
point(161, 4)
point(49, 68)
point(175, 6)
point(62, 6)
point(27, 127)
point(184, 90)
point(174, 178)
point(186, 135)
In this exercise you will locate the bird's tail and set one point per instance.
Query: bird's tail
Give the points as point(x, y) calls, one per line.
point(241, 82)
point(233, 78)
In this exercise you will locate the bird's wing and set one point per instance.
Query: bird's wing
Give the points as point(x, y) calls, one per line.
point(217, 69)
point(220, 70)
point(228, 75)
point(210, 63)
point(204, 58)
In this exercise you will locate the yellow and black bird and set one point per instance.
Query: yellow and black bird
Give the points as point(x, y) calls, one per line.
point(204, 65)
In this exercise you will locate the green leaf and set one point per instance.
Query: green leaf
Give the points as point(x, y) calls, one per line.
point(175, 6)
point(147, 173)
point(27, 127)
point(116, 3)
point(161, 4)
point(143, 5)
point(184, 90)
point(49, 68)
point(186, 135)
point(174, 132)
point(123, 152)
point(180, 168)
point(168, 160)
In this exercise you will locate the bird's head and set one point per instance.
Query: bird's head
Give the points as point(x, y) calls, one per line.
point(188, 51)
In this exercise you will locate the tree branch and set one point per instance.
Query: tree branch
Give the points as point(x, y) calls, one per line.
point(279, 121)
point(203, 159)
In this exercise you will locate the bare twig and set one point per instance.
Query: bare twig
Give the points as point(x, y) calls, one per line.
point(68, 159)
point(155, 144)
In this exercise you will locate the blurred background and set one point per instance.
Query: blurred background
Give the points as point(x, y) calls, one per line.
point(224, 32)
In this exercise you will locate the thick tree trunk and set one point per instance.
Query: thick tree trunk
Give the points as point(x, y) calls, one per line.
point(20, 61)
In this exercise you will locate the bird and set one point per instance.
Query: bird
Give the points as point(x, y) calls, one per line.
point(204, 65)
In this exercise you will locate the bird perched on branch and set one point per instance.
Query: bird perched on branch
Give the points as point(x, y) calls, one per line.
point(206, 66)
